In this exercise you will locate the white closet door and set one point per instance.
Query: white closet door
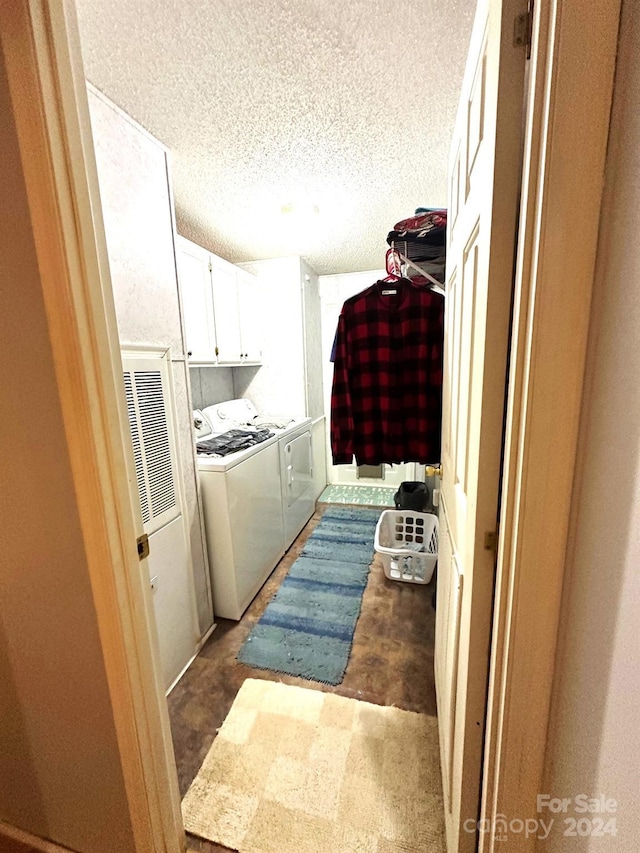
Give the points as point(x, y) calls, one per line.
point(226, 311)
point(150, 409)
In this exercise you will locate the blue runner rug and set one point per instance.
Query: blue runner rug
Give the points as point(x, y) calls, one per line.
point(307, 628)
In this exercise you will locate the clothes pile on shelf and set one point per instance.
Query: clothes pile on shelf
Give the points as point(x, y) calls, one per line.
point(422, 238)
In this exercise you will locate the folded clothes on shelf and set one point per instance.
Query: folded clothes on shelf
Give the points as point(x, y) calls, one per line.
point(422, 238)
point(233, 440)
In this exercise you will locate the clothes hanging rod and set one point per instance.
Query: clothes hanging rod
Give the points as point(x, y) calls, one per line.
point(435, 284)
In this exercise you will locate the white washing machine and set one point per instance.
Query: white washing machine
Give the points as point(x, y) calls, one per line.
point(255, 500)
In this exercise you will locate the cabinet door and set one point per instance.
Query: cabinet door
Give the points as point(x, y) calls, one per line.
point(249, 306)
point(225, 309)
point(197, 302)
point(136, 207)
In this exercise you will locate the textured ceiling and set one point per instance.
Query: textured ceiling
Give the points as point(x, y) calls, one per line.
point(346, 107)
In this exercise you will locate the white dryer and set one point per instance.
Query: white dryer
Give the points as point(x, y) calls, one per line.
point(255, 501)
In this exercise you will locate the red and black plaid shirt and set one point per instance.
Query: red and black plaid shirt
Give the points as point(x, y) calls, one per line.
point(386, 400)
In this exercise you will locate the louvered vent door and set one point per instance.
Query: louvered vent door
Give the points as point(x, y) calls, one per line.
point(146, 383)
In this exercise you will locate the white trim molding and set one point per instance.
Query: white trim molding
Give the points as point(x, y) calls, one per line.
point(567, 121)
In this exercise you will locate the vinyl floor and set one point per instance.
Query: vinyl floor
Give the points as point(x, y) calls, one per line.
point(391, 663)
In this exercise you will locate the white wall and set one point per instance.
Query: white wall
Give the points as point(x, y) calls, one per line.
point(211, 385)
point(60, 774)
point(312, 319)
point(594, 739)
point(278, 387)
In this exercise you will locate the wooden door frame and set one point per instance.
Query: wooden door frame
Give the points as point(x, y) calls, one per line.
point(571, 84)
point(571, 79)
point(42, 55)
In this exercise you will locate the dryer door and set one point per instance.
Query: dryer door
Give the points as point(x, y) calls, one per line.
point(297, 471)
point(296, 461)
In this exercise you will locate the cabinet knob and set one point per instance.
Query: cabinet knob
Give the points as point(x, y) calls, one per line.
point(190, 353)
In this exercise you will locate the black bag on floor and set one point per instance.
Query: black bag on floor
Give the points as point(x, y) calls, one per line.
point(412, 495)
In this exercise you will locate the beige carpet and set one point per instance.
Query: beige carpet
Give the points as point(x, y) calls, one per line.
point(300, 771)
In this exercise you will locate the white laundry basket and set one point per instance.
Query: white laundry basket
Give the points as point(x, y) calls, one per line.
point(407, 541)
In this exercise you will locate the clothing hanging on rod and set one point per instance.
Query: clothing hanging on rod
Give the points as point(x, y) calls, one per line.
point(394, 272)
point(386, 402)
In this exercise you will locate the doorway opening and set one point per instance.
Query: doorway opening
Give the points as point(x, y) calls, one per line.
point(391, 662)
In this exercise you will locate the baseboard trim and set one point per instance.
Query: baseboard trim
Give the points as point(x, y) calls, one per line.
point(33, 842)
point(201, 643)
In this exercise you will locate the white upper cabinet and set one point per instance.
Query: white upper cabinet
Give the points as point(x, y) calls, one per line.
point(195, 284)
point(221, 308)
point(226, 311)
point(251, 316)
